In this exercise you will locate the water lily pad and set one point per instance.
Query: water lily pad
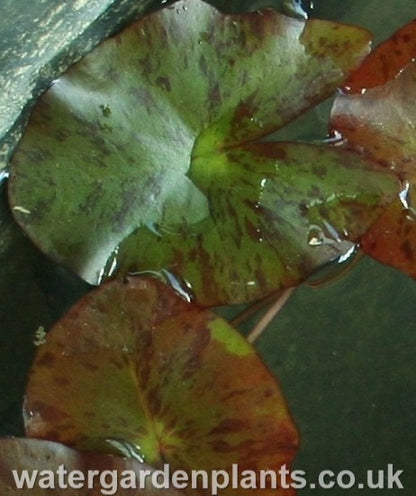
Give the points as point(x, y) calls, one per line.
point(52, 466)
point(386, 62)
point(133, 364)
point(121, 149)
point(297, 214)
point(380, 124)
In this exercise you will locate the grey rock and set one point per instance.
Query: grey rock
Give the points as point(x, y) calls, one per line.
point(40, 40)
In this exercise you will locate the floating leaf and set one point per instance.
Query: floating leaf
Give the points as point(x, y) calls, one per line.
point(304, 209)
point(380, 124)
point(52, 466)
point(385, 63)
point(143, 138)
point(133, 364)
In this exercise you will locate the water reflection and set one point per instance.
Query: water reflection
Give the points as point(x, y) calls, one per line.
point(182, 287)
point(4, 175)
point(298, 8)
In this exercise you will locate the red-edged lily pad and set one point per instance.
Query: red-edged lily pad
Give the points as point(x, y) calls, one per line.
point(31, 467)
point(380, 124)
point(140, 158)
point(134, 367)
point(386, 62)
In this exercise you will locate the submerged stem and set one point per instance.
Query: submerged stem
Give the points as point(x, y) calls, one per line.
point(271, 313)
point(254, 308)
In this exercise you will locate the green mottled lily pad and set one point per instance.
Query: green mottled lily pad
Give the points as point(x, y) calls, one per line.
point(133, 368)
point(146, 139)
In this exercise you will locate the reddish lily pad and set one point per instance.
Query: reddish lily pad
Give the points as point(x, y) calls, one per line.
point(53, 466)
point(133, 364)
point(386, 62)
point(143, 138)
point(380, 124)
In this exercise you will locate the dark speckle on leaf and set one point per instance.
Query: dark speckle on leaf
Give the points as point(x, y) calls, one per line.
point(105, 109)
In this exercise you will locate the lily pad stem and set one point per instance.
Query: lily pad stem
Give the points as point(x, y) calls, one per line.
point(254, 308)
point(271, 313)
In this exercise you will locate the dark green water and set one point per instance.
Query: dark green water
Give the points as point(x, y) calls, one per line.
point(344, 353)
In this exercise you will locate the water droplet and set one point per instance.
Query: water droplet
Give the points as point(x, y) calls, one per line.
point(298, 8)
point(404, 196)
point(4, 174)
point(332, 233)
point(349, 254)
point(22, 210)
point(127, 449)
point(110, 266)
point(315, 236)
point(318, 236)
point(180, 286)
point(335, 138)
point(346, 256)
point(258, 122)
